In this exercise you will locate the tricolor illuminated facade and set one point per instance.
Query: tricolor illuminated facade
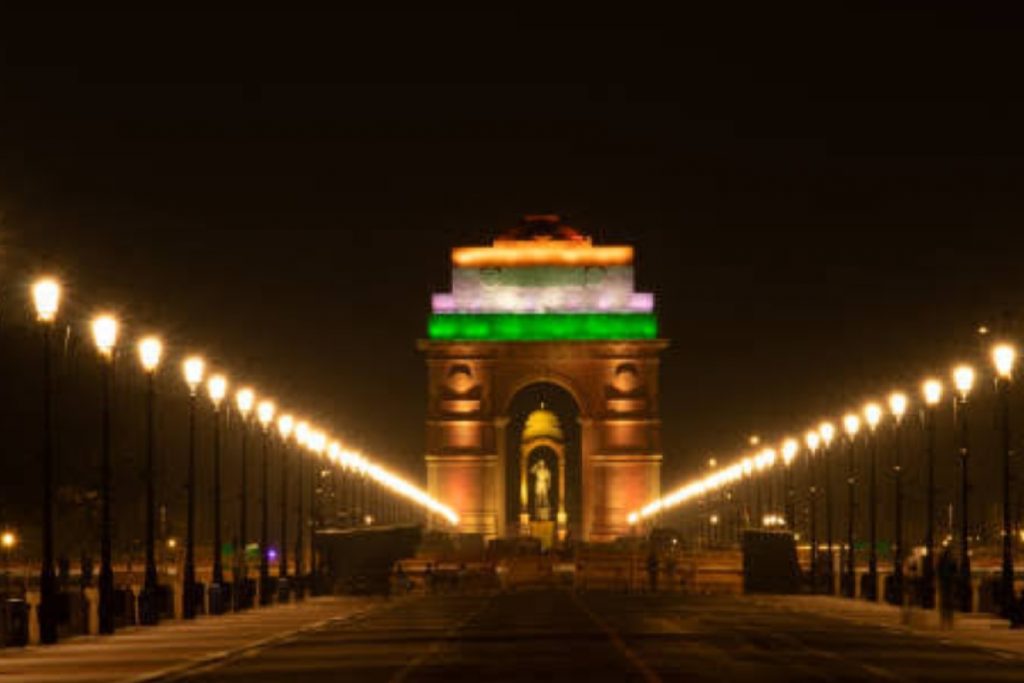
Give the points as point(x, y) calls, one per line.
point(543, 326)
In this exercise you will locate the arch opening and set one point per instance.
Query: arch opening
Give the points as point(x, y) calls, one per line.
point(544, 427)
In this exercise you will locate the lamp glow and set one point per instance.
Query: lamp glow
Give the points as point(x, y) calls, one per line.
point(317, 441)
point(244, 399)
point(872, 415)
point(789, 449)
point(285, 424)
point(898, 404)
point(827, 431)
point(8, 540)
point(217, 387)
point(1003, 357)
point(302, 433)
point(104, 334)
point(46, 297)
point(812, 439)
point(150, 352)
point(932, 391)
point(963, 379)
point(265, 413)
point(194, 367)
point(851, 424)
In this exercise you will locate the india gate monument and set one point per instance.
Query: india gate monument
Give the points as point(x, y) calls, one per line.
point(542, 365)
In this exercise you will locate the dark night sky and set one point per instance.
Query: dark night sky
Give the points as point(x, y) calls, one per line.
point(824, 203)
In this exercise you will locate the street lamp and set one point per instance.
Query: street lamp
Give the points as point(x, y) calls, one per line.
point(104, 334)
point(301, 432)
point(963, 379)
point(873, 415)
point(851, 425)
point(150, 353)
point(898, 407)
point(1003, 357)
point(828, 432)
point(282, 563)
point(217, 387)
point(789, 451)
point(46, 298)
point(244, 400)
point(194, 368)
point(932, 392)
point(316, 440)
point(265, 414)
point(812, 440)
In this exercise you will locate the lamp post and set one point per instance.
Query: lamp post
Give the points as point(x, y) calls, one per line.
point(244, 400)
point(104, 333)
point(265, 413)
point(217, 387)
point(963, 379)
point(812, 440)
point(46, 298)
point(932, 391)
point(285, 427)
point(898, 407)
point(789, 451)
point(150, 353)
point(828, 432)
point(851, 424)
point(318, 445)
point(282, 563)
point(872, 415)
point(1003, 357)
point(194, 368)
point(301, 431)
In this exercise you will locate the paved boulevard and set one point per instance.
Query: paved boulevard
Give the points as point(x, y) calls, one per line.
point(556, 636)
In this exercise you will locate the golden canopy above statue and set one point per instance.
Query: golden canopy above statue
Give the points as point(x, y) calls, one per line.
point(542, 423)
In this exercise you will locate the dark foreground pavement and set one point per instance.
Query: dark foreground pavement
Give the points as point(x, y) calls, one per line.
point(558, 636)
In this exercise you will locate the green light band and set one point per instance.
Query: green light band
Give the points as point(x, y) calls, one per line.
point(542, 326)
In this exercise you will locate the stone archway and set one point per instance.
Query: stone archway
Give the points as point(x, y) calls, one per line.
point(543, 307)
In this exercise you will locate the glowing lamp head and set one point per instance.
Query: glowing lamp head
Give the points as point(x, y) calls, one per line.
point(872, 415)
point(789, 449)
point(265, 413)
point(633, 518)
point(963, 379)
point(194, 368)
point(317, 441)
point(1003, 357)
point(898, 404)
point(244, 400)
point(851, 424)
point(932, 391)
point(827, 431)
point(104, 334)
point(151, 350)
point(334, 452)
point(812, 439)
point(8, 540)
point(285, 425)
point(302, 433)
point(46, 297)
point(217, 387)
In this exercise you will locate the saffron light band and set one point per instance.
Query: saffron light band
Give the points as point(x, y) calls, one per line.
point(513, 253)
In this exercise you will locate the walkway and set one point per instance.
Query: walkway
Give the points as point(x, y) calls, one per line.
point(152, 653)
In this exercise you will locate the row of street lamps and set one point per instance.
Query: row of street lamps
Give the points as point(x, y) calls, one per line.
point(105, 329)
point(817, 444)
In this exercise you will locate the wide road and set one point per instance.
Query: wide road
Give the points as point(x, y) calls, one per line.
point(557, 636)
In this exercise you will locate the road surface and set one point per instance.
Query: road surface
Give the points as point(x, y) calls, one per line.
point(558, 636)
